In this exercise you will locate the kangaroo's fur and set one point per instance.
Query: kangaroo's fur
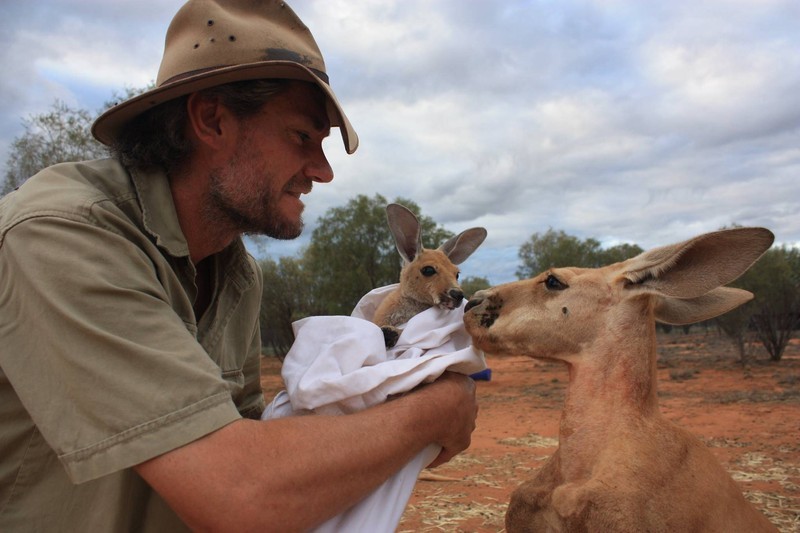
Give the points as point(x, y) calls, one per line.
point(429, 276)
point(620, 465)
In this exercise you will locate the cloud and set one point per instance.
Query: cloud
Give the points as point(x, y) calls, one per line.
point(642, 122)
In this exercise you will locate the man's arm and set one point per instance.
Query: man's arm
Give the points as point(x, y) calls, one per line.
point(294, 473)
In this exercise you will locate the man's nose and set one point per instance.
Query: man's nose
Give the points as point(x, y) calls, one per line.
point(319, 169)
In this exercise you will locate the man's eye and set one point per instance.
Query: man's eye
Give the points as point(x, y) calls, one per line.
point(554, 284)
point(303, 136)
point(428, 271)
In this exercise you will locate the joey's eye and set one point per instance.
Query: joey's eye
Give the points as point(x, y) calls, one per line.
point(554, 284)
point(428, 271)
point(458, 276)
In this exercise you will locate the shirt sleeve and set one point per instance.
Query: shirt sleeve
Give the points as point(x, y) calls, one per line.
point(109, 372)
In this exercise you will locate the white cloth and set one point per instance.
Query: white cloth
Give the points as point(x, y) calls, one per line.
point(340, 365)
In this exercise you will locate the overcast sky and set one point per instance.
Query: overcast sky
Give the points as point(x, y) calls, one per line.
point(635, 121)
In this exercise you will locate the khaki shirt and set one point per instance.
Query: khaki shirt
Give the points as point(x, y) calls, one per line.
point(103, 364)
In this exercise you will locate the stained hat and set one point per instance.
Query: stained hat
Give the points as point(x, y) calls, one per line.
point(213, 42)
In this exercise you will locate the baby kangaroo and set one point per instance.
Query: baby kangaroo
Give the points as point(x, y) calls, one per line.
point(428, 278)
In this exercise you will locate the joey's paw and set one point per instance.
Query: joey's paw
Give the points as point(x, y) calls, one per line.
point(390, 335)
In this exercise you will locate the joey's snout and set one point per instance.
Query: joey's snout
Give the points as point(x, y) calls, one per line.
point(457, 296)
point(452, 298)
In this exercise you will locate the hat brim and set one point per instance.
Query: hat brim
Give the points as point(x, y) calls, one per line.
point(108, 125)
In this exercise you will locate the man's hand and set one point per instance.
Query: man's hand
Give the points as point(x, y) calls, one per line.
point(454, 395)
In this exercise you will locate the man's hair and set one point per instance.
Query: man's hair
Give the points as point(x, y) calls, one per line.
point(157, 137)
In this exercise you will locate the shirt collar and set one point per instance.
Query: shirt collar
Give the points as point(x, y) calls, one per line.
point(160, 219)
point(158, 211)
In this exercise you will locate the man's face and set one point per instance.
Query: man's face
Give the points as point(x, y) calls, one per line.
point(277, 158)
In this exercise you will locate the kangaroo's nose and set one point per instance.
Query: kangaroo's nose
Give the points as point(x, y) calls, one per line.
point(457, 295)
point(474, 302)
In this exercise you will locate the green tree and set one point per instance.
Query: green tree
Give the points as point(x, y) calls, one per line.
point(557, 249)
point(472, 284)
point(618, 253)
point(285, 298)
point(734, 325)
point(352, 251)
point(62, 134)
point(775, 282)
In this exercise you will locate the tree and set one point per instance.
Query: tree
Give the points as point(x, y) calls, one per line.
point(353, 252)
point(62, 134)
point(557, 249)
point(618, 253)
point(774, 280)
point(285, 298)
point(734, 324)
point(472, 284)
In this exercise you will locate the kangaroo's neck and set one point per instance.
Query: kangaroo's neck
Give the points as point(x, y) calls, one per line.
point(406, 308)
point(612, 392)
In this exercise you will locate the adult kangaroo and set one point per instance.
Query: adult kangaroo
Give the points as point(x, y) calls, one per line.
point(620, 465)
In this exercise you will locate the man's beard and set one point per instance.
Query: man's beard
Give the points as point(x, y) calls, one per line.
point(249, 213)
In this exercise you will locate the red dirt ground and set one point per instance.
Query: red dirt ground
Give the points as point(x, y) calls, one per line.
point(748, 415)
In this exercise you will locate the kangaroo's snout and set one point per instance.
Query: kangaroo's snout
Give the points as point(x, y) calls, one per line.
point(473, 302)
point(476, 300)
point(451, 298)
point(457, 296)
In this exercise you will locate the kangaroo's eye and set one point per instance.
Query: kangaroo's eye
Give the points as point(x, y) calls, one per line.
point(428, 271)
point(554, 284)
point(458, 275)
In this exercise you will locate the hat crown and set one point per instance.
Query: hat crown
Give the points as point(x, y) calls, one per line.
point(214, 42)
point(212, 34)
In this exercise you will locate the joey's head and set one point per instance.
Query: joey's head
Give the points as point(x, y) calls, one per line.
point(430, 276)
point(432, 279)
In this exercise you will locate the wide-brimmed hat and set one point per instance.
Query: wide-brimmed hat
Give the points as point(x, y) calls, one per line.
point(213, 42)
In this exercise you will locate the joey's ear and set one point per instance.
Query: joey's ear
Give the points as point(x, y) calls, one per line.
point(681, 311)
point(406, 231)
point(460, 247)
point(694, 267)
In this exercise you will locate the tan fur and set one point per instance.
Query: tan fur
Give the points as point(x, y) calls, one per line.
point(428, 278)
point(620, 465)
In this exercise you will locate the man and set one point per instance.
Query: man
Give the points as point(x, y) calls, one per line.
point(129, 339)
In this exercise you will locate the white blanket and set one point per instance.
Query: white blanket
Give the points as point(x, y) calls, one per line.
point(339, 365)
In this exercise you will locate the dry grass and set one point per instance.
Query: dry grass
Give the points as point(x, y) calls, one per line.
point(768, 470)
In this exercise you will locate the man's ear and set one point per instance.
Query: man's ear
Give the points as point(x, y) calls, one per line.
point(209, 120)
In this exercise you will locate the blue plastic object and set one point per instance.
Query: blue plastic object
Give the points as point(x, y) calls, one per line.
point(483, 375)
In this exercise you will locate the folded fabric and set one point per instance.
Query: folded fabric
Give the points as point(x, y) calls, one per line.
point(340, 365)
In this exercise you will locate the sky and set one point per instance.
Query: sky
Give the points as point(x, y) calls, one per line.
point(626, 121)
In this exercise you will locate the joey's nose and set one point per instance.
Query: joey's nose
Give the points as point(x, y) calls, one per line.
point(456, 295)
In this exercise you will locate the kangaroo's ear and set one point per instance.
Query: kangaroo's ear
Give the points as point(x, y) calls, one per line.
point(406, 231)
point(680, 311)
point(460, 247)
point(693, 268)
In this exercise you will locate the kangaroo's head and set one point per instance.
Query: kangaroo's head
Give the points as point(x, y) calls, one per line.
point(563, 312)
point(430, 276)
